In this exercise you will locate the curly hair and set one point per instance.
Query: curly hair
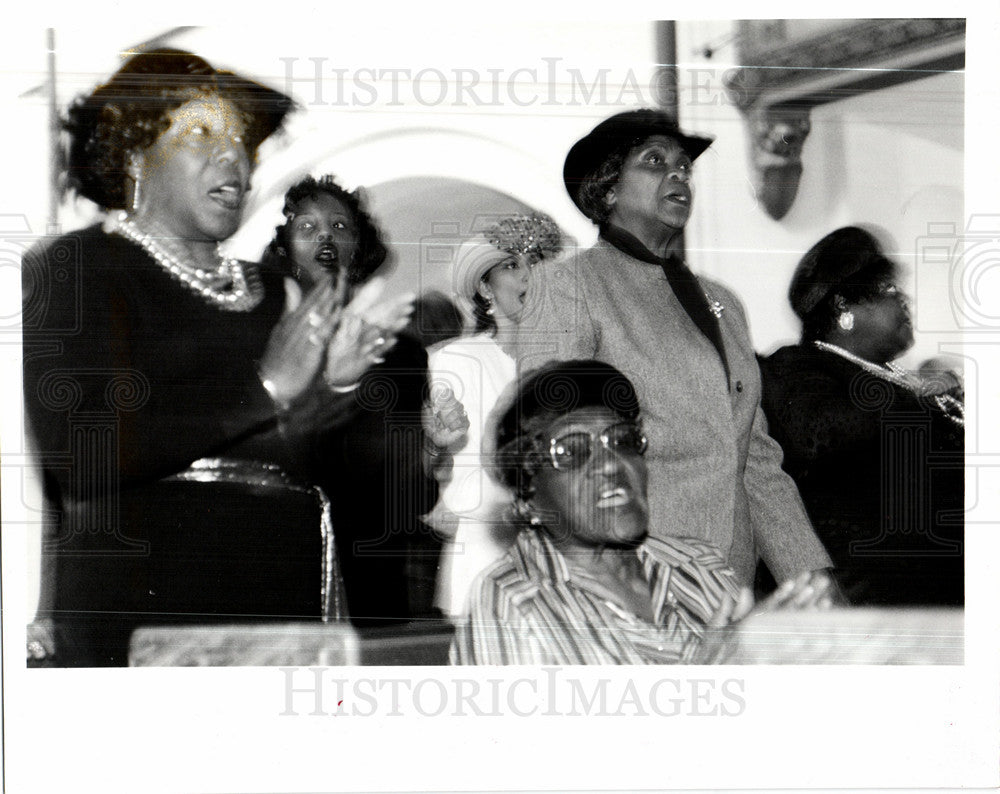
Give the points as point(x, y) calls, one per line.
point(540, 397)
point(594, 187)
point(133, 108)
point(372, 251)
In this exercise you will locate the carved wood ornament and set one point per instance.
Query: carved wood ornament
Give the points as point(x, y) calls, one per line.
point(790, 66)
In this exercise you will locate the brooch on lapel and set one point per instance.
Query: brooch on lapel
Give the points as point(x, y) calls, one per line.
point(714, 306)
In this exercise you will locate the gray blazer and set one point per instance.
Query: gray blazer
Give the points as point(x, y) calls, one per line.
point(714, 472)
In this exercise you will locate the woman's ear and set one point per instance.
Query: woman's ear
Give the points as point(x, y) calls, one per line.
point(610, 198)
point(484, 290)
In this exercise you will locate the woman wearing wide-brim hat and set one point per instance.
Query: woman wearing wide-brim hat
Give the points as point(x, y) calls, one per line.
point(875, 450)
point(147, 349)
point(630, 300)
point(490, 278)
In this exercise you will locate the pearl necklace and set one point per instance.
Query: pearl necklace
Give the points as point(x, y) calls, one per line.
point(229, 286)
point(952, 408)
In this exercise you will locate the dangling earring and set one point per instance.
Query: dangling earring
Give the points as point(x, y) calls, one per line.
point(524, 510)
point(490, 308)
point(845, 318)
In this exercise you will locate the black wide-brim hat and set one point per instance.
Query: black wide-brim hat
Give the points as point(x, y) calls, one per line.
point(849, 261)
point(148, 75)
point(623, 129)
point(147, 86)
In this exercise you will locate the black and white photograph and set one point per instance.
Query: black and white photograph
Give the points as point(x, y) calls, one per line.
point(398, 401)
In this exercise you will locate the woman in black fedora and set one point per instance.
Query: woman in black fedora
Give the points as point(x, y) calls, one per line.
point(715, 474)
point(146, 349)
point(877, 452)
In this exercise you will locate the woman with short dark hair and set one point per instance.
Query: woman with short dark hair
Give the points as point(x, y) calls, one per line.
point(378, 466)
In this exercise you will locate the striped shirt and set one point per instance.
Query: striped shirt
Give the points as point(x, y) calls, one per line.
point(532, 607)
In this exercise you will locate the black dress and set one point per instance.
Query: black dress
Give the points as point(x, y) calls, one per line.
point(128, 378)
point(881, 472)
point(372, 469)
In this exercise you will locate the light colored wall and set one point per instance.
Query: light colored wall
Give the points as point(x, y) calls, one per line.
point(541, 86)
point(893, 158)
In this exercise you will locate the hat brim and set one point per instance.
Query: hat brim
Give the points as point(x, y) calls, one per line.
point(473, 261)
point(146, 75)
point(266, 106)
point(591, 151)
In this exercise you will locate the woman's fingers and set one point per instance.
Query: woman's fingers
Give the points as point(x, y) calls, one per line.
point(378, 347)
point(809, 590)
point(722, 616)
point(366, 296)
point(744, 604)
point(454, 418)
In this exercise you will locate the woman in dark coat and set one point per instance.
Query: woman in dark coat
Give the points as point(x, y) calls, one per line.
point(877, 453)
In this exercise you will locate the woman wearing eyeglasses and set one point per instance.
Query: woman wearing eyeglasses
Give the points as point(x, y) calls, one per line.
point(583, 582)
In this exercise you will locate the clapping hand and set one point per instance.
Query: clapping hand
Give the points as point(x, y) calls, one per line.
point(809, 590)
point(366, 332)
point(445, 421)
point(297, 346)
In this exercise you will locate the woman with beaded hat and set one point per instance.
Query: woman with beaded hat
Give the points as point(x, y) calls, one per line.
point(877, 452)
point(683, 340)
point(176, 352)
point(491, 275)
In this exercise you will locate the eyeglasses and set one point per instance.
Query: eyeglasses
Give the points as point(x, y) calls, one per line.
point(572, 450)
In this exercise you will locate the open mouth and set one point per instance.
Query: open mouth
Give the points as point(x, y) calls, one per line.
point(681, 199)
point(327, 255)
point(613, 497)
point(229, 195)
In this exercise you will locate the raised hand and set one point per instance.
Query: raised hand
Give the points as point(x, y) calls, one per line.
point(366, 332)
point(445, 421)
point(809, 590)
point(390, 315)
point(298, 344)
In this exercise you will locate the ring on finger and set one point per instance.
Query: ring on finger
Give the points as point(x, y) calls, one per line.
point(314, 339)
point(315, 319)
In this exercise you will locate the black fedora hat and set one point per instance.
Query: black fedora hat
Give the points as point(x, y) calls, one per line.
point(623, 129)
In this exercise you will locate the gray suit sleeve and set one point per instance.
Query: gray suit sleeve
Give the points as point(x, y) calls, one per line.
point(556, 324)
